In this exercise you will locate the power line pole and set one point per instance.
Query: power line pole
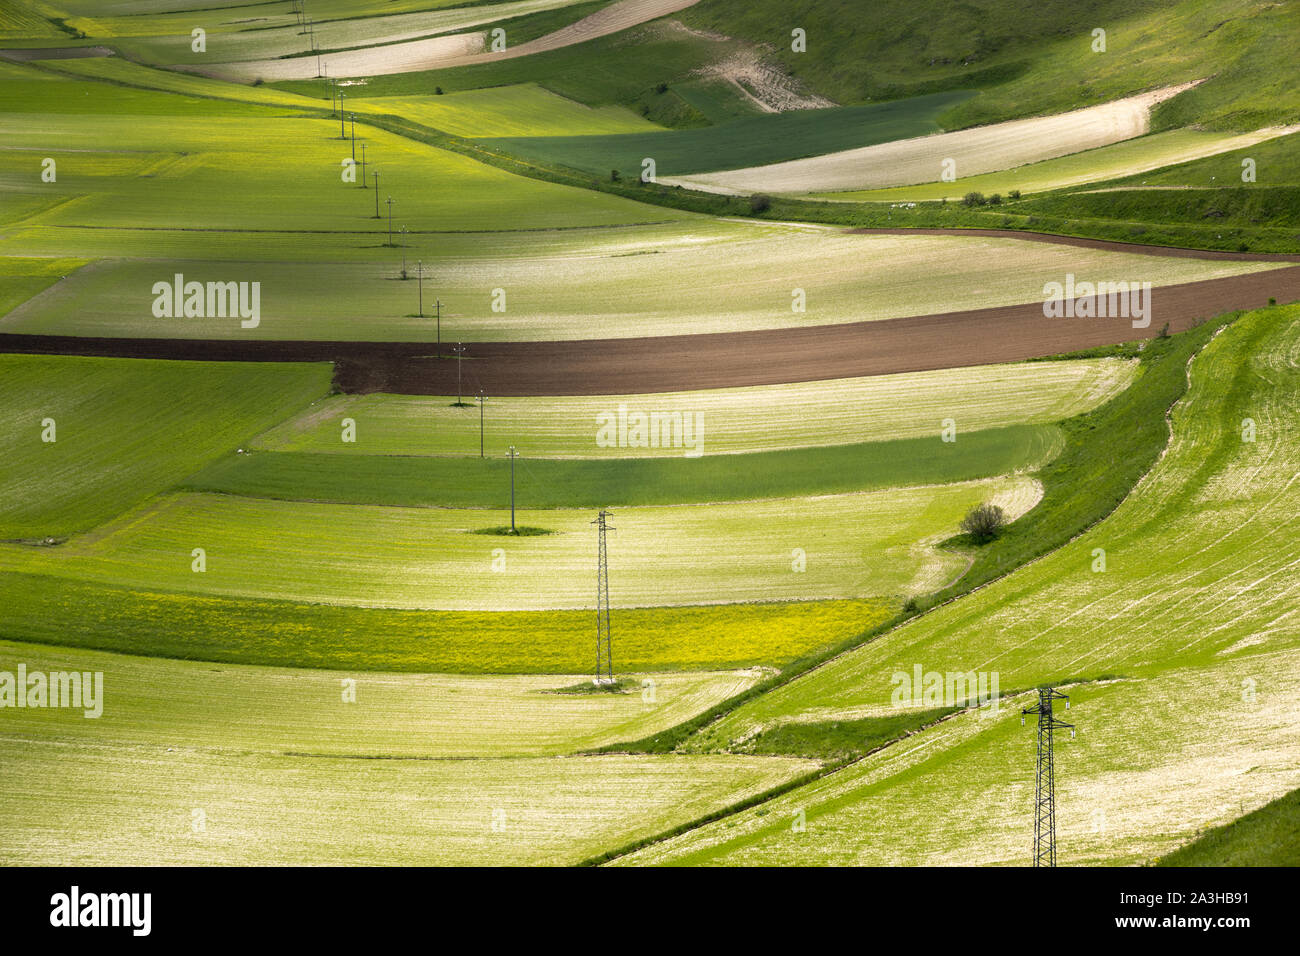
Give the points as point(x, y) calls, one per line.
point(604, 656)
point(460, 353)
point(343, 130)
point(437, 308)
point(352, 121)
point(513, 456)
point(375, 175)
point(482, 400)
point(389, 200)
point(419, 279)
point(1045, 774)
point(363, 165)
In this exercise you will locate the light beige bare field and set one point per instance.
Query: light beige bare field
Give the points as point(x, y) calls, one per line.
point(982, 149)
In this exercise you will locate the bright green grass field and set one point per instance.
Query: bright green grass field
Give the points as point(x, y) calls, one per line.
point(394, 714)
point(1200, 561)
point(20, 279)
point(52, 610)
point(587, 483)
point(763, 418)
point(1131, 157)
point(750, 141)
point(1269, 836)
point(873, 544)
point(125, 430)
point(523, 110)
point(653, 287)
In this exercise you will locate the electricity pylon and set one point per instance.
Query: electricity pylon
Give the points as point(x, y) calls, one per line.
point(1045, 776)
point(604, 656)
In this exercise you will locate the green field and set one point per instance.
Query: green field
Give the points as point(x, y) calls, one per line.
point(1190, 613)
point(63, 611)
point(320, 643)
point(1268, 836)
point(124, 430)
point(879, 408)
point(401, 715)
point(552, 483)
point(873, 544)
point(749, 141)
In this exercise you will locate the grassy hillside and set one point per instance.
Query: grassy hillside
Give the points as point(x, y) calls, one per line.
point(124, 430)
point(1269, 836)
point(1033, 57)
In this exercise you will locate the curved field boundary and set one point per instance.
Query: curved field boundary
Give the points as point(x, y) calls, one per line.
point(978, 150)
point(1110, 245)
point(443, 52)
point(713, 360)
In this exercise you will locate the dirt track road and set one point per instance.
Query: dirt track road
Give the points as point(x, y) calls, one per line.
point(681, 362)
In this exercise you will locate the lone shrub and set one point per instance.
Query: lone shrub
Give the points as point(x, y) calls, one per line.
point(983, 522)
point(760, 202)
point(973, 199)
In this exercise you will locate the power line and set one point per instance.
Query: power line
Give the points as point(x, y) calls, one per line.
point(1045, 774)
point(604, 655)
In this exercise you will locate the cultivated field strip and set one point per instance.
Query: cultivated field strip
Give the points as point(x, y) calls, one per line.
point(738, 420)
point(84, 439)
point(122, 805)
point(282, 711)
point(981, 149)
point(1144, 154)
point(872, 544)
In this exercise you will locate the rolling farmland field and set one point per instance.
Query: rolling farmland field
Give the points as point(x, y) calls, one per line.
point(650, 432)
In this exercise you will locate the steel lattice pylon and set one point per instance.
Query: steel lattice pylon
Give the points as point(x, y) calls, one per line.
point(1045, 776)
point(604, 654)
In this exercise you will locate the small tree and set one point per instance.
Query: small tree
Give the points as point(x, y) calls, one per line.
point(614, 175)
point(984, 522)
point(759, 202)
point(995, 199)
point(973, 199)
point(1014, 194)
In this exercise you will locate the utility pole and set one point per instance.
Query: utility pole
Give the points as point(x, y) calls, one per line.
point(460, 354)
point(389, 200)
point(343, 130)
point(513, 456)
point(403, 252)
point(437, 308)
point(419, 278)
point(1045, 774)
point(482, 400)
point(604, 656)
point(375, 175)
point(352, 119)
point(363, 165)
